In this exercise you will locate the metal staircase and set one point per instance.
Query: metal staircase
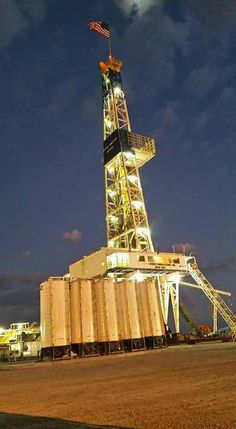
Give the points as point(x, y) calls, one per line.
point(214, 297)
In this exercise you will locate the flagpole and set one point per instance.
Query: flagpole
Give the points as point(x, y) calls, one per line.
point(109, 42)
point(102, 28)
point(109, 46)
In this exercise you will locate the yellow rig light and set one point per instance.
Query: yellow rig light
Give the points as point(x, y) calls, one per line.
point(137, 277)
point(117, 91)
point(110, 170)
point(111, 192)
point(132, 178)
point(129, 155)
point(143, 231)
point(113, 218)
point(108, 122)
point(176, 277)
point(138, 204)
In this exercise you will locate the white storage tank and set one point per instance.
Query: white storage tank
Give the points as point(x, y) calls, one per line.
point(156, 316)
point(133, 310)
point(46, 314)
point(75, 312)
point(106, 312)
point(55, 312)
point(88, 325)
point(127, 310)
point(111, 311)
point(101, 312)
point(144, 309)
point(122, 310)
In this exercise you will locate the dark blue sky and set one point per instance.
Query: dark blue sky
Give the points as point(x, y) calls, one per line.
point(179, 78)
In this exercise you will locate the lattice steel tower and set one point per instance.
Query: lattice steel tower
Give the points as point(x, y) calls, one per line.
point(124, 152)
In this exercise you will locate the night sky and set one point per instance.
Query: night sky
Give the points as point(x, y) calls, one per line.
point(179, 79)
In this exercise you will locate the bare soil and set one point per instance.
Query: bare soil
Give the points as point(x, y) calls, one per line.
point(182, 387)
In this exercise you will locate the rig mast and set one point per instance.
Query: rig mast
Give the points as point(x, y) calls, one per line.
point(124, 153)
point(126, 216)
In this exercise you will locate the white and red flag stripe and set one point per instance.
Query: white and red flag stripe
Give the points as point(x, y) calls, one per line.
point(100, 27)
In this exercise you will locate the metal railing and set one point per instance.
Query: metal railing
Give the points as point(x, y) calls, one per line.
point(142, 143)
point(213, 296)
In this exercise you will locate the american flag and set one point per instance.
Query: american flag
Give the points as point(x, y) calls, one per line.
point(100, 27)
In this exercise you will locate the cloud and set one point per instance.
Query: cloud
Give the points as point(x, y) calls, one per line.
point(227, 264)
point(201, 81)
point(63, 94)
point(139, 7)
point(228, 95)
point(9, 281)
point(89, 107)
point(19, 296)
point(35, 10)
point(216, 12)
point(167, 115)
point(16, 16)
point(73, 235)
point(202, 121)
point(225, 171)
point(185, 248)
point(27, 254)
point(158, 39)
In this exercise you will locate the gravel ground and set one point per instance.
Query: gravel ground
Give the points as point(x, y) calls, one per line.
point(182, 387)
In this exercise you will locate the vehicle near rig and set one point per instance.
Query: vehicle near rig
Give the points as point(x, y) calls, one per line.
point(20, 341)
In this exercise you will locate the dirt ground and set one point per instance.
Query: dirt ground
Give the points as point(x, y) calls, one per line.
point(182, 387)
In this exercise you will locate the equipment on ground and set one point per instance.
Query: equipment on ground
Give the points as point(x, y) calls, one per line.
point(194, 328)
point(21, 340)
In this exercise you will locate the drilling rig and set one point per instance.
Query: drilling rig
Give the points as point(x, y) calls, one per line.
point(130, 252)
point(113, 295)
